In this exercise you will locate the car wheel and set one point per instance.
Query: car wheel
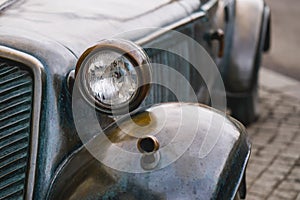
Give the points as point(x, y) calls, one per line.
point(244, 107)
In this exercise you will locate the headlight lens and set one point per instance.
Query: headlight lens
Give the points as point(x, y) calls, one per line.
point(113, 75)
point(111, 78)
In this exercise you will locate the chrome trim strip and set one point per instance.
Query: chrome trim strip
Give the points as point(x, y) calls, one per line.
point(37, 68)
point(193, 17)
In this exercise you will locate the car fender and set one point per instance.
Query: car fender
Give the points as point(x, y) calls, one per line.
point(250, 26)
point(217, 175)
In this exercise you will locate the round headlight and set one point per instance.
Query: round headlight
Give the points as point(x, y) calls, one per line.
point(114, 75)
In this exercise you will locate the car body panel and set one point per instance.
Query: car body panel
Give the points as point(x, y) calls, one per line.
point(89, 22)
point(203, 178)
point(246, 32)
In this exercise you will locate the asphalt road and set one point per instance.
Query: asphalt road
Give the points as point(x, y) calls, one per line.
point(284, 56)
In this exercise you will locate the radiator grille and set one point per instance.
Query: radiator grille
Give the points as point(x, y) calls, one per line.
point(16, 88)
point(159, 93)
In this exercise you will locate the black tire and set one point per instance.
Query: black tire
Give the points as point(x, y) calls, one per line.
point(244, 107)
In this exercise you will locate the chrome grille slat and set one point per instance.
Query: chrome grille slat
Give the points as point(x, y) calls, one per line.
point(13, 141)
point(10, 171)
point(14, 123)
point(14, 96)
point(13, 87)
point(14, 104)
point(13, 132)
point(12, 77)
point(12, 160)
point(12, 181)
point(12, 195)
point(16, 89)
point(5, 72)
point(14, 113)
point(14, 151)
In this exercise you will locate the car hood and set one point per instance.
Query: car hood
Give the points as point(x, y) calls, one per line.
point(79, 24)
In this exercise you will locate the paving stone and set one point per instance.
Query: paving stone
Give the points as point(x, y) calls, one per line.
point(262, 158)
point(266, 182)
point(263, 93)
point(292, 92)
point(255, 169)
point(252, 131)
point(271, 149)
point(291, 152)
point(279, 110)
point(257, 147)
point(285, 160)
point(295, 172)
point(285, 135)
point(273, 197)
point(250, 179)
point(297, 138)
point(274, 175)
point(274, 167)
point(261, 138)
point(280, 168)
point(297, 164)
point(253, 196)
point(260, 190)
point(298, 197)
point(290, 185)
point(285, 194)
point(276, 146)
point(267, 124)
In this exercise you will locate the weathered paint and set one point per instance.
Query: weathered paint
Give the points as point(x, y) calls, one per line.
point(215, 176)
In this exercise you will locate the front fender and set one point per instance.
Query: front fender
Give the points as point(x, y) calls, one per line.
point(180, 172)
point(249, 39)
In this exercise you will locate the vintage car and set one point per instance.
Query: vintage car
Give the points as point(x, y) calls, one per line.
point(101, 99)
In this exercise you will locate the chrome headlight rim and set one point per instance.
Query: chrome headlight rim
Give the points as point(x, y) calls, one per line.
point(136, 56)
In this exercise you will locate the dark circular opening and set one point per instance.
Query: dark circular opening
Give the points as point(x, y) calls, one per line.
point(148, 144)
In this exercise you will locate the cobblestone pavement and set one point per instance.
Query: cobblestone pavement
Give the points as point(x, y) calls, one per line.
point(274, 168)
